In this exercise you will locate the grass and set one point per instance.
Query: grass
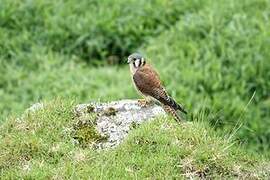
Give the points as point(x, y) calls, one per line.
point(219, 64)
point(153, 150)
point(211, 55)
point(91, 30)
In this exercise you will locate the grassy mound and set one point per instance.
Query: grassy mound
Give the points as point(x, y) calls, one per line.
point(40, 145)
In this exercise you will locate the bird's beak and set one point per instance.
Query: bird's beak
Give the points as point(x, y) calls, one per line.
point(129, 60)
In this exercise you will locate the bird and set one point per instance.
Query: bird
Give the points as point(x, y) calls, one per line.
point(147, 82)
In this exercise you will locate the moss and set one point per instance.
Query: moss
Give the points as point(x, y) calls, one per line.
point(134, 125)
point(110, 111)
point(86, 135)
point(90, 109)
point(84, 130)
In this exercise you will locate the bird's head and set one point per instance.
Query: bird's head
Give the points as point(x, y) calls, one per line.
point(136, 60)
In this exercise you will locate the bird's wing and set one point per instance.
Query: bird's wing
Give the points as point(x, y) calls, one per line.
point(148, 82)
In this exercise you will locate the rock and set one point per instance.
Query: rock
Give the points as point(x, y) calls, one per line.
point(35, 107)
point(115, 119)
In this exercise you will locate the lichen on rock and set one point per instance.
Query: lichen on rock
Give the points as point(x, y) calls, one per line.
point(115, 119)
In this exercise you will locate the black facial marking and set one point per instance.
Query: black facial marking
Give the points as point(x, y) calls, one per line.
point(140, 62)
point(143, 63)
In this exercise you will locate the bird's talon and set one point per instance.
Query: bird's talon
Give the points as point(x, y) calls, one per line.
point(142, 102)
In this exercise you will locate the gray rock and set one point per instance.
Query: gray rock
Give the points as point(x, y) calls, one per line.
point(35, 107)
point(116, 118)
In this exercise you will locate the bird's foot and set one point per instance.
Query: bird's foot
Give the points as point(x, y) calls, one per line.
point(144, 102)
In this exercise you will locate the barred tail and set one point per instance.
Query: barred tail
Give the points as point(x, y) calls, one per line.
point(172, 112)
point(175, 105)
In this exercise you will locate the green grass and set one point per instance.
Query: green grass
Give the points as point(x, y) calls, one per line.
point(211, 55)
point(90, 29)
point(40, 145)
point(216, 60)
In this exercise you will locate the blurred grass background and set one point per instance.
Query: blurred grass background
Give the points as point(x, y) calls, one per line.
point(213, 56)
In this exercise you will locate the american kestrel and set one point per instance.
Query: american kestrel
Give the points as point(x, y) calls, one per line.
point(147, 82)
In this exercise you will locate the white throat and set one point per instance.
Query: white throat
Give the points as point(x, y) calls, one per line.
point(132, 69)
point(137, 63)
